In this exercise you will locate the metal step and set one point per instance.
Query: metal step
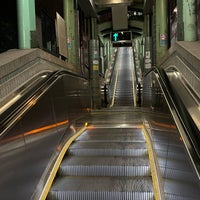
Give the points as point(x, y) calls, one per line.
point(105, 166)
point(102, 188)
point(109, 135)
point(86, 148)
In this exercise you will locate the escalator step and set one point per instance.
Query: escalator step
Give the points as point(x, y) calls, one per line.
point(115, 131)
point(112, 138)
point(85, 148)
point(106, 188)
point(105, 166)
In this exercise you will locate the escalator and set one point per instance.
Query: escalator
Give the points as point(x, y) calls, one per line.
point(120, 157)
point(122, 152)
point(105, 163)
point(33, 128)
point(127, 152)
point(124, 90)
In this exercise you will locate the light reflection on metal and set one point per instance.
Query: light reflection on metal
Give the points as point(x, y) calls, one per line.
point(44, 76)
point(34, 131)
point(32, 102)
point(177, 74)
point(170, 126)
point(72, 128)
point(9, 103)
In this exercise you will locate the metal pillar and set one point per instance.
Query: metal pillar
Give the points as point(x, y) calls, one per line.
point(109, 51)
point(161, 28)
point(180, 29)
point(26, 22)
point(94, 33)
point(94, 65)
point(189, 19)
point(142, 53)
point(70, 19)
point(147, 41)
point(147, 25)
point(94, 74)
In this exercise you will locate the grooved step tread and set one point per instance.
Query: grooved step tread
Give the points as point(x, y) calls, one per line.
point(102, 188)
point(109, 184)
point(113, 138)
point(86, 148)
point(105, 166)
point(106, 160)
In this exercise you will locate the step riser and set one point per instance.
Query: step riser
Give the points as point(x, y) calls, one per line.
point(103, 152)
point(101, 195)
point(105, 171)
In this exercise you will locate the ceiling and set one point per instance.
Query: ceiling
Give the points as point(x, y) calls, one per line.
point(122, 14)
point(117, 15)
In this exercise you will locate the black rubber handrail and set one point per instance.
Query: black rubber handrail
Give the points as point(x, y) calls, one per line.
point(176, 104)
point(187, 122)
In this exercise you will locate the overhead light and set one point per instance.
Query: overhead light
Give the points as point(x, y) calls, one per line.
point(175, 10)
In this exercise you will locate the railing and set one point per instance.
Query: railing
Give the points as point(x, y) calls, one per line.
point(184, 121)
point(27, 99)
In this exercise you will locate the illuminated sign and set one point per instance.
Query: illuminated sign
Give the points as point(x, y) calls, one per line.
point(121, 36)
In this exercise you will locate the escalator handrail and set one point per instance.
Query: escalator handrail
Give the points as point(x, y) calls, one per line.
point(176, 105)
point(153, 69)
point(28, 99)
point(174, 98)
point(184, 116)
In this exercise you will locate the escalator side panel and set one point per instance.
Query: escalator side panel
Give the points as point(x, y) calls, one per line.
point(27, 147)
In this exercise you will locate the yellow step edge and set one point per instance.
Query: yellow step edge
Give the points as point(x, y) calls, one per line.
point(56, 166)
point(155, 172)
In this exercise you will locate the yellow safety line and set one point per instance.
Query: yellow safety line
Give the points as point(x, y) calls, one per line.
point(57, 164)
point(156, 178)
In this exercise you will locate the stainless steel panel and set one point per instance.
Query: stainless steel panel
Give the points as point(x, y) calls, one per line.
point(27, 147)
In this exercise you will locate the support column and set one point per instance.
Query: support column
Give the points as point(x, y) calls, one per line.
point(148, 43)
point(137, 55)
point(26, 22)
point(94, 33)
point(107, 54)
point(69, 17)
point(94, 65)
point(161, 28)
point(147, 25)
point(180, 29)
point(94, 74)
point(142, 53)
point(109, 51)
point(189, 18)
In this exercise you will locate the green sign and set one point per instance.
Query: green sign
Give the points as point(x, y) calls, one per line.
point(120, 36)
